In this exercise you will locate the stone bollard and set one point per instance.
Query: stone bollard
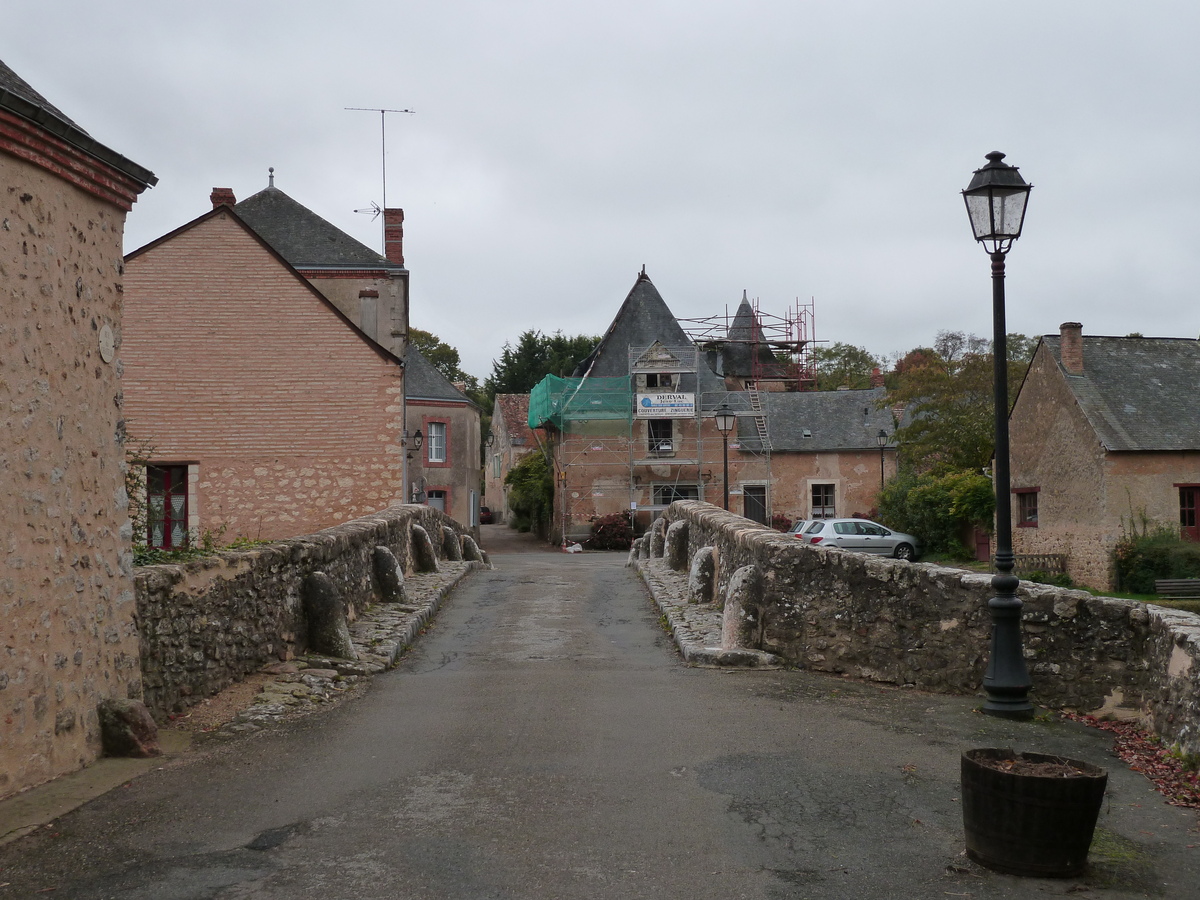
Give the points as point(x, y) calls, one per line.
point(450, 544)
point(702, 576)
point(644, 546)
point(740, 625)
point(631, 560)
point(677, 545)
point(328, 632)
point(127, 729)
point(470, 549)
point(389, 575)
point(657, 537)
point(424, 557)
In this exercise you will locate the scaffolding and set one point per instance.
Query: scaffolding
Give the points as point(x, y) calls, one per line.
point(779, 347)
point(637, 442)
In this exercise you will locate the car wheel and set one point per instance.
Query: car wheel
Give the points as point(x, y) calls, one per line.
point(904, 551)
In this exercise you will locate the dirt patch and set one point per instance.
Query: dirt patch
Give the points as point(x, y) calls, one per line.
point(213, 712)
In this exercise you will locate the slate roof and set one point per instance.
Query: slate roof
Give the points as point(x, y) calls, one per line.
point(515, 410)
point(1138, 393)
point(835, 420)
point(303, 238)
point(423, 382)
point(643, 319)
point(738, 353)
point(18, 97)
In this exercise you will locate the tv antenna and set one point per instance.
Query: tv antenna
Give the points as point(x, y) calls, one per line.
point(375, 209)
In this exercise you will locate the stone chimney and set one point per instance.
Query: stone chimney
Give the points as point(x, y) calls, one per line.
point(393, 235)
point(1070, 346)
point(222, 197)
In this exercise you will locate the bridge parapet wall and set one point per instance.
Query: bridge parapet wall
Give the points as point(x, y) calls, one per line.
point(928, 627)
point(209, 622)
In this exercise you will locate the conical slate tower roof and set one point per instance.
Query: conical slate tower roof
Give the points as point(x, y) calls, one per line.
point(642, 320)
point(302, 237)
point(741, 347)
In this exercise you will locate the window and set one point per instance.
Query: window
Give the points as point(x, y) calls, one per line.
point(665, 494)
point(435, 441)
point(822, 502)
point(1027, 507)
point(1189, 500)
point(166, 507)
point(495, 465)
point(436, 499)
point(660, 437)
point(664, 380)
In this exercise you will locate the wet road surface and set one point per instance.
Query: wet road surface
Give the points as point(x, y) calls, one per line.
point(543, 740)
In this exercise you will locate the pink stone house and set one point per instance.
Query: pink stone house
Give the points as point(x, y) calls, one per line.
point(68, 639)
point(1105, 435)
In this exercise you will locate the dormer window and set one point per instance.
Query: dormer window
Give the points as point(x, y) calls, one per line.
point(660, 380)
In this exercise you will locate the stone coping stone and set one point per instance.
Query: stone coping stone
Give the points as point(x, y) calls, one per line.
point(696, 627)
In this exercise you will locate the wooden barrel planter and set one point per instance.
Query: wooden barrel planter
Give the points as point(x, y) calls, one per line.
point(1029, 813)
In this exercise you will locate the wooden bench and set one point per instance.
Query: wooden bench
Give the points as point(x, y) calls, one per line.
point(1178, 588)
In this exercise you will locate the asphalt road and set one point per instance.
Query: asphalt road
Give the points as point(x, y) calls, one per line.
point(543, 740)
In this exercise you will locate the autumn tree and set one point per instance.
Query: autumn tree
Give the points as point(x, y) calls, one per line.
point(947, 390)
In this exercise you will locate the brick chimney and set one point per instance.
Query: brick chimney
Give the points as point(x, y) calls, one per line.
point(876, 378)
point(1071, 346)
point(393, 235)
point(222, 197)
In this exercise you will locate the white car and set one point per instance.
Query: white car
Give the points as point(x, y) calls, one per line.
point(797, 529)
point(863, 536)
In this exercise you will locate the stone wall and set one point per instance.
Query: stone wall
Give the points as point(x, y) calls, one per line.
point(67, 635)
point(928, 627)
point(208, 623)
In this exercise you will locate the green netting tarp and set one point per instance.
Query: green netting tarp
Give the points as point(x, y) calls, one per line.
point(581, 405)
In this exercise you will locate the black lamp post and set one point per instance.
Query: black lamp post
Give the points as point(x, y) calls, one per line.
point(725, 421)
point(996, 200)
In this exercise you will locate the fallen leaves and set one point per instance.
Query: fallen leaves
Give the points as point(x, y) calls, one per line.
point(1144, 753)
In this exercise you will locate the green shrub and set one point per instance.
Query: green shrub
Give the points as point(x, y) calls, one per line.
point(935, 508)
point(1156, 552)
point(612, 532)
point(531, 497)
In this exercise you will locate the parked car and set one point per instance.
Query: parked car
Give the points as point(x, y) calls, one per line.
point(862, 536)
point(485, 516)
point(797, 529)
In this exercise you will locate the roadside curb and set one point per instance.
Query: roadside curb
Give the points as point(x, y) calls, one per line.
point(381, 636)
point(696, 627)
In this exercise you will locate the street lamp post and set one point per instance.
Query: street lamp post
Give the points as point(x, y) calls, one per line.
point(996, 199)
point(882, 440)
point(725, 421)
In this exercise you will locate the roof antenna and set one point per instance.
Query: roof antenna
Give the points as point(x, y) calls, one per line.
point(271, 177)
point(375, 209)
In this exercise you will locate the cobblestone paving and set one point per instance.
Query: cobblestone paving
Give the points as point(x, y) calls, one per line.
point(696, 627)
point(380, 636)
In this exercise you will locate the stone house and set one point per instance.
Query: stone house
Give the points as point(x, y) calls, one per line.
point(69, 638)
point(263, 409)
point(445, 471)
point(1105, 436)
point(635, 431)
point(513, 440)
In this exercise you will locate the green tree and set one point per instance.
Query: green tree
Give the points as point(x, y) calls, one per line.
point(947, 390)
point(841, 365)
point(444, 358)
point(531, 493)
point(936, 508)
point(535, 356)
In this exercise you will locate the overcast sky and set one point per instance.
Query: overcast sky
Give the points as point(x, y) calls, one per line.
point(790, 149)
